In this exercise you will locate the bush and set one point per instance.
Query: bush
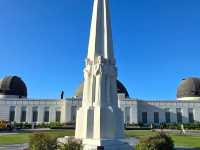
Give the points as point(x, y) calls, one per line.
point(161, 141)
point(41, 141)
point(27, 126)
point(177, 126)
point(5, 125)
point(55, 125)
point(43, 125)
point(23, 125)
point(192, 126)
point(71, 145)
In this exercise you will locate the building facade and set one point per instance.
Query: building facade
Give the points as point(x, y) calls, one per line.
point(16, 107)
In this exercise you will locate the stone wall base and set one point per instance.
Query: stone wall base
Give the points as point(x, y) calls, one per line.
point(104, 144)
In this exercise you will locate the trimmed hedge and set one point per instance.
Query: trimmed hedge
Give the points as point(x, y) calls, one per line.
point(177, 126)
point(52, 125)
point(22, 125)
point(56, 125)
point(187, 126)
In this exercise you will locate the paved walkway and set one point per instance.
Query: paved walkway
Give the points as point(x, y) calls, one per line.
point(187, 132)
point(23, 146)
point(131, 141)
point(14, 147)
point(185, 148)
point(7, 133)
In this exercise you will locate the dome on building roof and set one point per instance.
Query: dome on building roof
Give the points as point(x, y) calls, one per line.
point(120, 89)
point(13, 85)
point(189, 88)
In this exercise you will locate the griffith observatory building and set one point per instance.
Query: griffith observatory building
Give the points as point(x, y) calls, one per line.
point(15, 106)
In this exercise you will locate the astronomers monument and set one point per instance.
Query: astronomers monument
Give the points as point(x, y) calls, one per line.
point(99, 120)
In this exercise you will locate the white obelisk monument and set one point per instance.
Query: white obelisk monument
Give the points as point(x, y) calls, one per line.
point(99, 121)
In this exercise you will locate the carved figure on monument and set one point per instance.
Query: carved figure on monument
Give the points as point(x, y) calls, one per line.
point(99, 75)
point(87, 81)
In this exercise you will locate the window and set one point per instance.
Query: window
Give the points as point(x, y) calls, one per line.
point(167, 115)
point(46, 114)
point(23, 114)
point(12, 114)
point(156, 117)
point(179, 115)
point(35, 114)
point(127, 114)
point(73, 113)
point(191, 115)
point(144, 117)
point(58, 115)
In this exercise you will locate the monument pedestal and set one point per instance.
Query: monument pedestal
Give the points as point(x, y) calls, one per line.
point(100, 144)
point(105, 144)
point(101, 127)
point(99, 123)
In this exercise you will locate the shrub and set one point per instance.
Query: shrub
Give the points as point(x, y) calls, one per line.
point(23, 125)
point(192, 126)
point(188, 126)
point(43, 125)
point(5, 125)
point(69, 125)
point(160, 141)
point(27, 125)
point(55, 125)
point(41, 141)
point(71, 145)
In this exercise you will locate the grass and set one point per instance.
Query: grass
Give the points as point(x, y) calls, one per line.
point(139, 133)
point(187, 141)
point(20, 138)
point(179, 140)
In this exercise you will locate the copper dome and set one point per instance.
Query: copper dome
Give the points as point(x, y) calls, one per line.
point(13, 85)
point(189, 87)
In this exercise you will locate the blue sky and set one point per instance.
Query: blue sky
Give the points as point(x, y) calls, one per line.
point(156, 44)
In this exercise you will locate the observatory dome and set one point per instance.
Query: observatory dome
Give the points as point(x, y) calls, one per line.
point(12, 86)
point(189, 89)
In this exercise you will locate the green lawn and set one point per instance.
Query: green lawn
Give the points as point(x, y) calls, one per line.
point(179, 140)
point(20, 138)
point(187, 141)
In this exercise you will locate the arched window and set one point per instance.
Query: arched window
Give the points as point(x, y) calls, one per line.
point(35, 114)
point(144, 117)
point(46, 114)
point(179, 115)
point(23, 114)
point(12, 113)
point(58, 115)
point(191, 115)
point(167, 115)
point(127, 114)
